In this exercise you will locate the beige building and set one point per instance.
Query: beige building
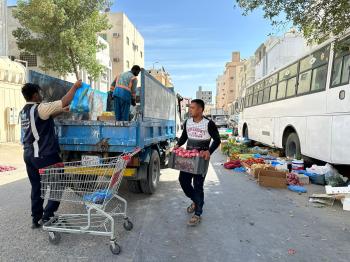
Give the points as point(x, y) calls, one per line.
point(126, 44)
point(228, 83)
point(34, 62)
point(220, 92)
point(162, 76)
point(208, 108)
point(3, 28)
point(12, 77)
point(246, 74)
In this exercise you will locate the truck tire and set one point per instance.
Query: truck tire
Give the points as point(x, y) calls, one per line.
point(149, 186)
point(292, 147)
point(134, 186)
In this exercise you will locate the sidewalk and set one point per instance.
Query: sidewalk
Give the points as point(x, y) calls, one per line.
point(11, 154)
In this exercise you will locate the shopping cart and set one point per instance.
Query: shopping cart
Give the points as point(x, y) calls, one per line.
point(94, 185)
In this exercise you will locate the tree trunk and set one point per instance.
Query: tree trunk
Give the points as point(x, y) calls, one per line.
point(75, 66)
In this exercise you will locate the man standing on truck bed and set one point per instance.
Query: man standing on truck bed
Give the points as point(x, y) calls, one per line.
point(198, 132)
point(124, 93)
point(40, 143)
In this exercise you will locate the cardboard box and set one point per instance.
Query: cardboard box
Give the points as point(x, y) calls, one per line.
point(303, 179)
point(255, 171)
point(106, 118)
point(271, 178)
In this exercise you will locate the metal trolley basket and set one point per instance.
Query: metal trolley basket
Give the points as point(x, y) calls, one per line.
point(94, 184)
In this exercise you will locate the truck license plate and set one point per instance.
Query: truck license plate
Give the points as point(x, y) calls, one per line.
point(87, 160)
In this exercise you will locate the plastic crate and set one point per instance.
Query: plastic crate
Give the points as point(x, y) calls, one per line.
point(195, 165)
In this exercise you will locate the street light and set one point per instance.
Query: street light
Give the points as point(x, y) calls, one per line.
point(155, 63)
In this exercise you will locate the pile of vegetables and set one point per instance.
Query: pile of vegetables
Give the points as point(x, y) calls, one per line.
point(224, 136)
point(181, 152)
point(232, 148)
point(232, 164)
point(252, 161)
point(293, 180)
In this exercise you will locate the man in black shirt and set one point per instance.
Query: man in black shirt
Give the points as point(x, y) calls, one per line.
point(198, 132)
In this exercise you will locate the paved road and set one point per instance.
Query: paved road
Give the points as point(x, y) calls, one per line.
point(242, 222)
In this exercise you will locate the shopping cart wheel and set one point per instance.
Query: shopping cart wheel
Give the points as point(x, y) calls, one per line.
point(54, 238)
point(128, 225)
point(115, 248)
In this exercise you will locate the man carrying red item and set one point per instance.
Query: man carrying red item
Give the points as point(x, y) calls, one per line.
point(198, 132)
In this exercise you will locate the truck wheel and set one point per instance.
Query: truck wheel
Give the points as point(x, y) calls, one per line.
point(149, 186)
point(292, 148)
point(134, 186)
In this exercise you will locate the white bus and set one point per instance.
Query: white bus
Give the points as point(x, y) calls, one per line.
point(303, 108)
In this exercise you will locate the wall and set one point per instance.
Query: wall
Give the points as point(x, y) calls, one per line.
point(279, 51)
point(3, 28)
point(206, 96)
point(123, 55)
point(220, 92)
point(12, 77)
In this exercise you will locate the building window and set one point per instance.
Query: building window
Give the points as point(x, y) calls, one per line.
point(128, 64)
point(31, 59)
point(127, 41)
point(104, 36)
point(141, 54)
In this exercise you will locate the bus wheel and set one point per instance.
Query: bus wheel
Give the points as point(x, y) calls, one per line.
point(292, 147)
point(245, 133)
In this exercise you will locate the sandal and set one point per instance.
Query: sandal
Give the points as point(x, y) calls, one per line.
point(191, 208)
point(194, 221)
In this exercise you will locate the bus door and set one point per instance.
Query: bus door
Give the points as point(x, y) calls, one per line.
point(338, 102)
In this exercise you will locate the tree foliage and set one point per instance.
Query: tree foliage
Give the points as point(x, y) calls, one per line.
point(317, 19)
point(63, 33)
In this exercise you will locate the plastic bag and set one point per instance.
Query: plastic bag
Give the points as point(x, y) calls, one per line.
point(333, 178)
point(298, 189)
point(80, 102)
point(98, 103)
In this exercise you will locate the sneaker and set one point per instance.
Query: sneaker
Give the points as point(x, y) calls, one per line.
point(191, 208)
point(194, 221)
point(36, 224)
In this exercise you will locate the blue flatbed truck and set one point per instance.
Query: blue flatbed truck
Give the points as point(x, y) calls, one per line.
point(153, 130)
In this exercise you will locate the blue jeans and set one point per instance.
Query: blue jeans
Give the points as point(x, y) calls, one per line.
point(195, 192)
point(121, 109)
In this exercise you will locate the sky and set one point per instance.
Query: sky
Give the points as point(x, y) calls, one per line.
point(194, 39)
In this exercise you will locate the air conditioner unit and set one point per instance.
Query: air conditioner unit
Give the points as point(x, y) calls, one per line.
point(116, 60)
point(11, 115)
point(116, 35)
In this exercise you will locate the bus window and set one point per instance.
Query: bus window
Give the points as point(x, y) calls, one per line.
point(336, 72)
point(273, 92)
point(250, 100)
point(281, 92)
point(304, 82)
point(246, 101)
point(260, 97)
point(345, 71)
point(319, 78)
point(266, 95)
point(291, 85)
point(289, 72)
point(340, 70)
point(255, 99)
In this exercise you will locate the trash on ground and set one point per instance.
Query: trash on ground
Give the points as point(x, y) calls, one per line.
point(322, 199)
point(239, 170)
point(6, 168)
point(297, 189)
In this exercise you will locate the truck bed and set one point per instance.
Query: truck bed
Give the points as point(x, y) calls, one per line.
point(112, 136)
